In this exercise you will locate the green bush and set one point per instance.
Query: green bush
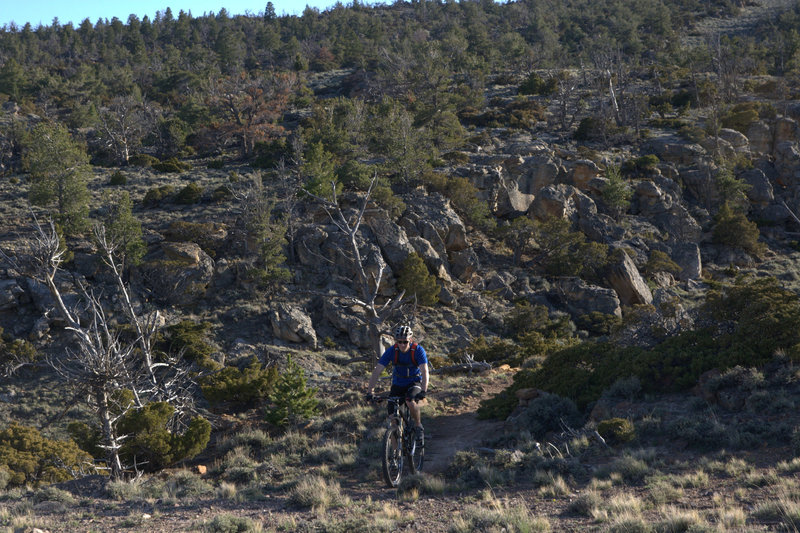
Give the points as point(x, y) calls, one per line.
point(291, 400)
point(228, 523)
point(732, 228)
point(190, 339)
point(417, 281)
point(151, 445)
point(598, 323)
point(191, 194)
point(246, 386)
point(616, 430)
point(535, 84)
point(30, 458)
point(661, 262)
point(215, 164)
point(142, 160)
point(118, 178)
point(740, 116)
point(547, 413)
point(156, 195)
point(171, 165)
point(221, 194)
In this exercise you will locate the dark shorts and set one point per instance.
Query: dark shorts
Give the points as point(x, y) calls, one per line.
point(409, 391)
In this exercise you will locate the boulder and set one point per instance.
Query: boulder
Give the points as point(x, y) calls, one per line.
point(786, 130)
point(674, 152)
point(433, 212)
point(347, 319)
point(10, 294)
point(309, 240)
point(718, 147)
point(760, 137)
point(601, 228)
point(292, 324)
point(464, 264)
point(736, 139)
point(760, 192)
point(624, 277)
point(536, 173)
point(581, 173)
point(787, 163)
point(392, 239)
point(179, 273)
point(687, 256)
point(553, 201)
point(580, 298)
point(433, 260)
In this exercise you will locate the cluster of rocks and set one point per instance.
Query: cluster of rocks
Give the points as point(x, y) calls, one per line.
point(518, 176)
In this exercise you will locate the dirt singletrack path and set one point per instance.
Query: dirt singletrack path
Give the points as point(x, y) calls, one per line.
point(447, 435)
point(460, 429)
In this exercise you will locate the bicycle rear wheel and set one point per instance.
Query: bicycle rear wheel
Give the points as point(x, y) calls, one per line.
point(416, 454)
point(392, 457)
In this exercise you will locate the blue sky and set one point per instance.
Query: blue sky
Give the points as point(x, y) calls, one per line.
point(43, 11)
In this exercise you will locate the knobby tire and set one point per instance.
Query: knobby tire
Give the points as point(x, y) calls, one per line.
point(416, 454)
point(392, 472)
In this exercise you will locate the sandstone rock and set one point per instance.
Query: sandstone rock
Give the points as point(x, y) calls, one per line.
point(787, 163)
point(292, 324)
point(760, 192)
point(676, 152)
point(464, 264)
point(624, 277)
point(432, 259)
point(582, 172)
point(553, 201)
point(718, 147)
point(538, 172)
point(348, 320)
point(10, 294)
point(687, 256)
point(180, 274)
point(736, 139)
point(581, 298)
point(188, 253)
point(786, 130)
point(433, 212)
point(309, 244)
point(760, 137)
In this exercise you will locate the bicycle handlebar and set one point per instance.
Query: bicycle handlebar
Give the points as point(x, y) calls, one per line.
point(382, 398)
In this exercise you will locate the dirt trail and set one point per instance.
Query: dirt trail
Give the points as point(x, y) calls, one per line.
point(447, 434)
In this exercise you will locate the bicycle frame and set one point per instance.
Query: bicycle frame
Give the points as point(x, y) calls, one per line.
point(399, 442)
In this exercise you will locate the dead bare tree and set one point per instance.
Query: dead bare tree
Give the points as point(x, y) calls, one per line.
point(368, 285)
point(100, 363)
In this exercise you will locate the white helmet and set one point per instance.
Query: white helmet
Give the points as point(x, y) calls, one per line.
point(402, 332)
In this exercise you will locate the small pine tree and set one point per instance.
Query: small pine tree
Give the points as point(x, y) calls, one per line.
point(732, 228)
point(417, 281)
point(617, 193)
point(125, 229)
point(292, 400)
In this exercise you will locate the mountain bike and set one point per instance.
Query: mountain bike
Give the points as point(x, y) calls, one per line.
point(399, 442)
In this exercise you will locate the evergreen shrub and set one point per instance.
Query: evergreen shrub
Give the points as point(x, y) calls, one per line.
point(152, 445)
point(245, 386)
point(118, 178)
point(142, 160)
point(191, 194)
point(171, 165)
point(417, 281)
point(616, 430)
point(28, 457)
point(291, 400)
point(153, 197)
point(190, 339)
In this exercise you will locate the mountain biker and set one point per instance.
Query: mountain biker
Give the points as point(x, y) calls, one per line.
point(409, 374)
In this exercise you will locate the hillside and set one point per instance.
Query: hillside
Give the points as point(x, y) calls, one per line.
point(602, 207)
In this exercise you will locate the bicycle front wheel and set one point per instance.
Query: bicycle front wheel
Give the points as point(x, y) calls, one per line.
point(392, 457)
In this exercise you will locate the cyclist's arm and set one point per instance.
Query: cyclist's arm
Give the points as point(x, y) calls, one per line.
point(373, 379)
point(423, 370)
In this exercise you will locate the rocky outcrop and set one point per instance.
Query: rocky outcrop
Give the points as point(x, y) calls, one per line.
point(10, 294)
point(347, 319)
point(580, 298)
point(553, 201)
point(391, 238)
point(759, 135)
point(624, 277)
point(687, 256)
point(179, 273)
point(760, 192)
point(292, 324)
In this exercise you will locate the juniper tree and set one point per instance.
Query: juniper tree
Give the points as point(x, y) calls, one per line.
point(292, 400)
point(59, 169)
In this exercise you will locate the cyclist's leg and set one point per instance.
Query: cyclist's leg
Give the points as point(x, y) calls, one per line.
point(413, 407)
